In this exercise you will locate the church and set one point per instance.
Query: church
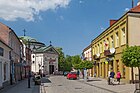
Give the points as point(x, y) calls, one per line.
point(44, 59)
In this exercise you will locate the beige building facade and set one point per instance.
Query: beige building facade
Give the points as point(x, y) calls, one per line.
point(108, 46)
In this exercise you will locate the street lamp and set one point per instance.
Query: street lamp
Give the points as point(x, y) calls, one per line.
point(29, 68)
point(33, 44)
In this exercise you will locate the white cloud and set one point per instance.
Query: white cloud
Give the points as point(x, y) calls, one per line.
point(81, 1)
point(102, 28)
point(11, 10)
point(126, 9)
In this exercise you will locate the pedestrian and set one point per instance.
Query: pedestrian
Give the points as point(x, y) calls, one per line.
point(109, 77)
point(78, 72)
point(95, 74)
point(118, 76)
point(112, 74)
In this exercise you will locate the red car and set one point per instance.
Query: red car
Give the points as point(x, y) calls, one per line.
point(72, 75)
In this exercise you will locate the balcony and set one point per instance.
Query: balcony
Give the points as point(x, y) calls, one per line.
point(96, 56)
point(109, 52)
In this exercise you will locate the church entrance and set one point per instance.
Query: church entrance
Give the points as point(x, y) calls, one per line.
point(51, 69)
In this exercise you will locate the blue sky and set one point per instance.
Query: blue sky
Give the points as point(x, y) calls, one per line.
point(70, 24)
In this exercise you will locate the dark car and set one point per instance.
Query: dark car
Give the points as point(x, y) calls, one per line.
point(66, 73)
point(37, 79)
point(72, 75)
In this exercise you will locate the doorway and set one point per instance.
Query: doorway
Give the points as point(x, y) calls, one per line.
point(51, 69)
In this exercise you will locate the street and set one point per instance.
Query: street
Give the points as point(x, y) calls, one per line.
point(59, 84)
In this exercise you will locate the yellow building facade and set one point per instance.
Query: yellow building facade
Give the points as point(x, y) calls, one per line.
point(108, 46)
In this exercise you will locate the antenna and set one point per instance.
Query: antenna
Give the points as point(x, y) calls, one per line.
point(132, 3)
point(24, 32)
point(50, 43)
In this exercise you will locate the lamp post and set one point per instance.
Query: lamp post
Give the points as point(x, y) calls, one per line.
point(29, 71)
point(32, 43)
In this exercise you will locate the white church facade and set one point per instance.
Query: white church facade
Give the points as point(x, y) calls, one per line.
point(45, 59)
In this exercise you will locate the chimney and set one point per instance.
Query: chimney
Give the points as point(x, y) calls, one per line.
point(112, 22)
point(138, 2)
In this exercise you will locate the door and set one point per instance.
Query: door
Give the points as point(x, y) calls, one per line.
point(51, 69)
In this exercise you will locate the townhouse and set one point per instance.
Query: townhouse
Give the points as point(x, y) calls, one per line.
point(87, 55)
point(9, 37)
point(108, 46)
point(4, 64)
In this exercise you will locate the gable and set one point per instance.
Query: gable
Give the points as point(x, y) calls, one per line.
point(51, 50)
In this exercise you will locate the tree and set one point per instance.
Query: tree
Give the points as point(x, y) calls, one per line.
point(131, 57)
point(61, 59)
point(76, 59)
point(84, 64)
point(68, 63)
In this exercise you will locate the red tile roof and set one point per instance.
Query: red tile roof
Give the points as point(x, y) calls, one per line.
point(135, 9)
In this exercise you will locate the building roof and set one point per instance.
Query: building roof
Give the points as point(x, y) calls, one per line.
point(48, 49)
point(33, 42)
point(28, 38)
point(135, 9)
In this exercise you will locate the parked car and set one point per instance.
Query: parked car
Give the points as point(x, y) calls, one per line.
point(66, 73)
point(37, 79)
point(72, 75)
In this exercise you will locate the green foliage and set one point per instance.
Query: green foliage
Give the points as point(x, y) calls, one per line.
point(76, 59)
point(61, 59)
point(68, 63)
point(131, 56)
point(84, 64)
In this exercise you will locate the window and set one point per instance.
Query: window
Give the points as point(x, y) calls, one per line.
point(1, 51)
point(116, 39)
point(98, 49)
point(123, 36)
point(101, 47)
point(117, 66)
point(107, 43)
point(93, 51)
point(111, 42)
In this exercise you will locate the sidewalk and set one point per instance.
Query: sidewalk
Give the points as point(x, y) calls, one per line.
point(102, 84)
point(22, 87)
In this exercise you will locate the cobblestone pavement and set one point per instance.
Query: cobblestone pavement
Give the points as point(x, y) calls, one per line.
point(59, 84)
point(102, 84)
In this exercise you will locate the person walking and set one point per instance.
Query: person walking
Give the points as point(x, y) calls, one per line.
point(118, 77)
point(112, 74)
point(78, 72)
point(109, 77)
